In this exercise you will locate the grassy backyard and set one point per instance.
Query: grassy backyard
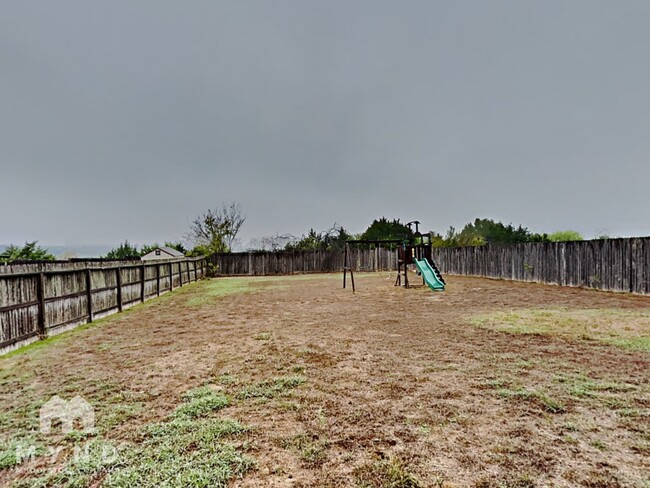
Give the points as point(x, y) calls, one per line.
point(293, 381)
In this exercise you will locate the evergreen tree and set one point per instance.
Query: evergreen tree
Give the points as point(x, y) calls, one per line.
point(123, 251)
point(29, 252)
point(384, 229)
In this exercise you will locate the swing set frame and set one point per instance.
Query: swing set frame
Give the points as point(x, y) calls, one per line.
point(347, 259)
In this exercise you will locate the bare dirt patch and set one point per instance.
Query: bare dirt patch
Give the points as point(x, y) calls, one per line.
point(384, 387)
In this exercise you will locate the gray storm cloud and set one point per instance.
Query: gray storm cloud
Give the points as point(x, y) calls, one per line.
point(126, 119)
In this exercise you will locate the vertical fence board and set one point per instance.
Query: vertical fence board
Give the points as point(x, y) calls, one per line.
point(39, 301)
point(621, 265)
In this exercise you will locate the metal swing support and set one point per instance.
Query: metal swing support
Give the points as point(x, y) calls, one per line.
point(347, 266)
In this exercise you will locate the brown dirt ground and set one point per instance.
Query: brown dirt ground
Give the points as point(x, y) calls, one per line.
point(390, 374)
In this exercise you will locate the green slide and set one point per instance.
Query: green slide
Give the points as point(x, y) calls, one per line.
point(431, 278)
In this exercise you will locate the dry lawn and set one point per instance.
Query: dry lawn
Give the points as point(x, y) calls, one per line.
point(296, 382)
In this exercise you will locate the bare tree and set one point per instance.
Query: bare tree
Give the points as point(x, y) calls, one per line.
point(216, 230)
point(274, 243)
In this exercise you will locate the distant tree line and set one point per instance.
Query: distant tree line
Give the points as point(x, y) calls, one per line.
point(216, 230)
point(485, 231)
point(477, 233)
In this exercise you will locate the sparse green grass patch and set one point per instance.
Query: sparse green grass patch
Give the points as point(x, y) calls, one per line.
point(598, 444)
point(626, 328)
point(201, 401)
point(116, 414)
point(385, 474)
point(228, 379)
point(613, 395)
point(188, 450)
point(183, 453)
point(288, 406)
point(14, 451)
point(540, 398)
point(217, 288)
point(270, 388)
point(88, 461)
point(506, 389)
point(569, 439)
point(312, 449)
point(642, 447)
point(497, 383)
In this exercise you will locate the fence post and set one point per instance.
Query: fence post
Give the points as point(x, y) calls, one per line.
point(89, 295)
point(171, 277)
point(180, 273)
point(119, 288)
point(40, 295)
point(196, 278)
point(142, 283)
point(158, 279)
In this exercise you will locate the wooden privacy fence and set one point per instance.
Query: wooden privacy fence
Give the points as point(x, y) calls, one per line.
point(293, 262)
point(606, 264)
point(39, 304)
point(75, 263)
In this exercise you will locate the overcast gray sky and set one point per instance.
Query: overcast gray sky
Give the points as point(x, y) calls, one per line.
point(125, 119)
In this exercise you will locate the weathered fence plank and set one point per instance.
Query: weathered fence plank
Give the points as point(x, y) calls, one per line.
point(608, 264)
point(39, 301)
point(292, 262)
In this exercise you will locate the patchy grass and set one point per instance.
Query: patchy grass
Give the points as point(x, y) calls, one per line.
point(228, 379)
point(218, 288)
point(16, 450)
point(598, 444)
point(116, 414)
point(270, 388)
point(188, 450)
point(583, 386)
point(626, 328)
point(383, 398)
point(539, 398)
point(88, 461)
point(201, 401)
point(512, 480)
point(385, 474)
point(616, 396)
point(35, 347)
point(21, 441)
point(180, 453)
point(507, 388)
point(311, 449)
point(184, 453)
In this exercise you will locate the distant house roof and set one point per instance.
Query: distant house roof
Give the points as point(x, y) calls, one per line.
point(164, 252)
